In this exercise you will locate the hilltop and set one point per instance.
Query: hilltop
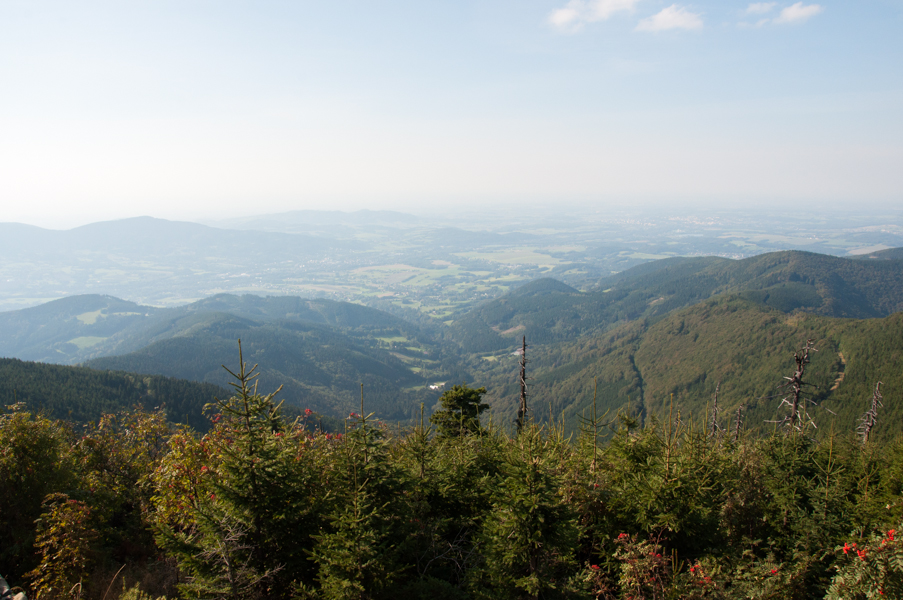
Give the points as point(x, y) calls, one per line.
point(319, 350)
point(78, 328)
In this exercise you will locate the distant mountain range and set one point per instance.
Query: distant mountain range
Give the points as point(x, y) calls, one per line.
point(151, 239)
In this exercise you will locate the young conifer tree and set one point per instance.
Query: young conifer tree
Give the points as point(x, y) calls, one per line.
point(357, 556)
point(451, 496)
point(460, 412)
point(248, 536)
point(529, 537)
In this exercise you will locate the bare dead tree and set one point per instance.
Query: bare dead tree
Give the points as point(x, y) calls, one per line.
point(870, 418)
point(522, 411)
point(738, 423)
point(798, 417)
point(714, 429)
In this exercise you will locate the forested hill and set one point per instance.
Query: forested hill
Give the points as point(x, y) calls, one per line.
point(745, 347)
point(318, 367)
point(319, 350)
point(792, 280)
point(78, 328)
point(68, 330)
point(80, 394)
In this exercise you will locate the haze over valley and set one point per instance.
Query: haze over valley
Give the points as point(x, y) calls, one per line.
point(437, 265)
point(406, 305)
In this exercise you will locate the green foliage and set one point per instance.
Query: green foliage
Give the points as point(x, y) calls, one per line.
point(317, 349)
point(34, 463)
point(529, 536)
point(110, 326)
point(317, 366)
point(64, 543)
point(460, 412)
point(674, 482)
point(45, 332)
point(644, 572)
point(825, 285)
point(105, 473)
point(873, 569)
point(357, 555)
point(135, 593)
point(452, 482)
point(257, 507)
point(116, 458)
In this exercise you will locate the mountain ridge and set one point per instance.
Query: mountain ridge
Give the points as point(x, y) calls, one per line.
point(788, 280)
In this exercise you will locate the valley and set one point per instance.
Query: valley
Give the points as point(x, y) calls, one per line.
point(663, 331)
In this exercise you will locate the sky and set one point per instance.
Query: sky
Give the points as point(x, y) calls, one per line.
point(195, 109)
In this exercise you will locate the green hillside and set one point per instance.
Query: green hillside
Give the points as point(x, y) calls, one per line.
point(326, 312)
point(319, 350)
point(81, 394)
point(745, 346)
point(68, 330)
point(78, 328)
point(319, 368)
point(816, 283)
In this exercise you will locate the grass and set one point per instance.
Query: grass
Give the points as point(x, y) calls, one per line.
point(86, 341)
point(402, 274)
point(404, 358)
point(90, 318)
point(514, 256)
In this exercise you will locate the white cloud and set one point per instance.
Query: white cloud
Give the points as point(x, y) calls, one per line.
point(567, 17)
point(760, 8)
point(673, 17)
point(798, 12)
point(578, 12)
point(603, 9)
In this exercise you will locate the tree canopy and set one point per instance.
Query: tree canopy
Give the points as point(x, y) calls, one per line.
point(460, 412)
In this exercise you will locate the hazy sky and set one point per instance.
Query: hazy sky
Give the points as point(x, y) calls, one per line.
point(185, 109)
